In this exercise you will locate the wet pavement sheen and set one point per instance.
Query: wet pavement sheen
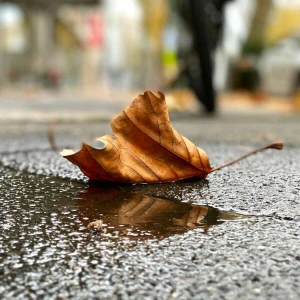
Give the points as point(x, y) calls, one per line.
point(44, 231)
point(153, 241)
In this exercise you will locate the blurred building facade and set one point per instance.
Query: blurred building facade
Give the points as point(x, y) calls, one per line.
point(83, 43)
point(135, 44)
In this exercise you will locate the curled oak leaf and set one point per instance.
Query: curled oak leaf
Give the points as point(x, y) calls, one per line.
point(145, 148)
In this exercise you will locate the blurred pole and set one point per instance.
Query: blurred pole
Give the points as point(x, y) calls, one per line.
point(2, 67)
point(203, 47)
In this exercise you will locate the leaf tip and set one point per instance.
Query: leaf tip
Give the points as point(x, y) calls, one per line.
point(66, 152)
point(157, 94)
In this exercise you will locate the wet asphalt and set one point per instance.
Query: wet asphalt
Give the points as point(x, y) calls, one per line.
point(244, 243)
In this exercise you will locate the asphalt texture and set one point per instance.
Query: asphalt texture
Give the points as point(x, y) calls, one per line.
point(246, 246)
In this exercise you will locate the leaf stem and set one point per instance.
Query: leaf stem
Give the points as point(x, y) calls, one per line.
point(51, 138)
point(278, 146)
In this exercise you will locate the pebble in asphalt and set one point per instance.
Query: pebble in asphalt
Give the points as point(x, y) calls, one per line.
point(47, 252)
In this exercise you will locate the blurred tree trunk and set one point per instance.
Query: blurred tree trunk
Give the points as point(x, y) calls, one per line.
point(42, 37)
point(155, 18)
point(255, 41)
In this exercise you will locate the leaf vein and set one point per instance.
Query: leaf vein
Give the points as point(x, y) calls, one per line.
point(161, 143)
point(119, 157)
point(159, 131)
point(99, 163)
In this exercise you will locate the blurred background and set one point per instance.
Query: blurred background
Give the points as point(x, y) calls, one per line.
point(238, 54)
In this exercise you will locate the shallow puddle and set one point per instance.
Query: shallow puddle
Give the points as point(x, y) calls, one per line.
point(45, 242)
point(138, 215)
point(40, 206)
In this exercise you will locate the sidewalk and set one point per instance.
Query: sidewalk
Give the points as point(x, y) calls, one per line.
point(64, 106)
point(237, 122)
point(84, 106)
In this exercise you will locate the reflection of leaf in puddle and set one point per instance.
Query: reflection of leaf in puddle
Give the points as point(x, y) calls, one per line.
point(138, 215)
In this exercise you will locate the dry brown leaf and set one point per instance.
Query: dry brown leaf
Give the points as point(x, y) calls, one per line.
point(145, 148)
